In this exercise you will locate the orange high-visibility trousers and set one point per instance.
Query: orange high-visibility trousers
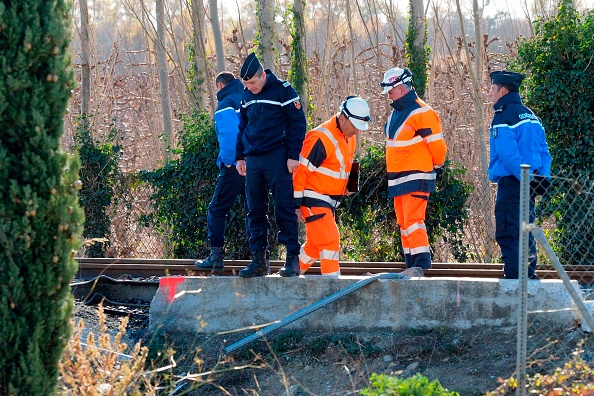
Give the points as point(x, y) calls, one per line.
point(410, 216)
point(322, 240)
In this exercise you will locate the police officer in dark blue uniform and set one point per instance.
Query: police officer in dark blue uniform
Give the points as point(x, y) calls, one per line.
point(230, 184)
point(271, 132)
point(517, 137)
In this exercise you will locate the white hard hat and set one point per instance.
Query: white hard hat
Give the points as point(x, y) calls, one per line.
point(394, 77)
point(357, 110)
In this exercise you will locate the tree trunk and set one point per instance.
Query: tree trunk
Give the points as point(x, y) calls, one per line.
point(217, 35)
point(298, 73)
point(266, 34)
point(164, 79)
point(85, 80)
point(476, 73)
point(416, 42)
point(352, 36)
point(199, 86)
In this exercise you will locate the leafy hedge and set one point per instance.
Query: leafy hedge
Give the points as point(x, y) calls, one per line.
point(98, 173)
point(183, 189)
point(560, 89)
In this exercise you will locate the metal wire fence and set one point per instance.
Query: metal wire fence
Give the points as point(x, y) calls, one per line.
point(564, 231)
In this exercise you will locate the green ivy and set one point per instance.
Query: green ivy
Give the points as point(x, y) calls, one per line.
point(99, 173)
point(560, 89)
point(183, 188)
point(298, 71)
point(367, 221)
point(417, 58)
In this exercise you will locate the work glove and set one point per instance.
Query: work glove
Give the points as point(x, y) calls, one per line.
point(539, 184)
point(438, 173)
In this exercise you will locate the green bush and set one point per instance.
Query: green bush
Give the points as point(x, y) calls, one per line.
point(383, 385)
point(560, 89)
point(41, 220)
point(99, 173)
point(367, 221)
point(183, 188)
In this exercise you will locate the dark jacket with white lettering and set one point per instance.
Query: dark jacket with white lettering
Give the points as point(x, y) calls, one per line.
point(517, 137)
point(227, 121)
point(270, 119)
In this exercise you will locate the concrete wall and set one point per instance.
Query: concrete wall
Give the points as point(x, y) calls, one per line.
point(216, 304)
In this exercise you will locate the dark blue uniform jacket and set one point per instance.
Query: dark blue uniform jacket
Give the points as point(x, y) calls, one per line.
point(517, 137)
point(226, 119)
point(270, 119)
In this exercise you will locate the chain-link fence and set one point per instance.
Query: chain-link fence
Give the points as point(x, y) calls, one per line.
point(132, 234)
point(551, 355)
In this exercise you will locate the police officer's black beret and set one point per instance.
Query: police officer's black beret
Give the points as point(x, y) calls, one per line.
point(250, 67)
point(507, 77)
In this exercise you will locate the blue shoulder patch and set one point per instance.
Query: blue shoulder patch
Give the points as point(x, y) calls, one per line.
point(286, 84)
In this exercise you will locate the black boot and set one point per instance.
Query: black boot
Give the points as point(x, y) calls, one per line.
point(214, 262)
point(291, 267)
point(260, 266)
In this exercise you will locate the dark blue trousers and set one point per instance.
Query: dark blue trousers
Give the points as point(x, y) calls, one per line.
point(230, 185)
point(266, 174)
point(507, 227)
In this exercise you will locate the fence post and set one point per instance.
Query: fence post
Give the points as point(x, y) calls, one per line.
point(523, 264)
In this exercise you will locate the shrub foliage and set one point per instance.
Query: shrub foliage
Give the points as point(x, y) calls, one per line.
point(183, 188)
point(99, 172)
point(560, 89)
point(41, 220)
point(417, 385)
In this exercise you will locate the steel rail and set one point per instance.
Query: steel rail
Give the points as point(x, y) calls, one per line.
point(147, 268)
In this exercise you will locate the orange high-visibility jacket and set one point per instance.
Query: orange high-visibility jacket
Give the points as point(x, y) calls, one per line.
point(324, 167)
point(414, 146)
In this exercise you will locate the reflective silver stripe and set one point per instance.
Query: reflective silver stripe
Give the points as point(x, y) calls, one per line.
point(297, 194)
point(406, 250)
point(226, 109)
point(290, 101)
point(418, 250)
point(387, 127)
point(403, 143)
point(516, 125)
point(329, 254)
point(272, 102)
point(433, 138)
point(342, 174)
point(304, 258)
point(413, 228)
point(321, 197)
point(409, 178)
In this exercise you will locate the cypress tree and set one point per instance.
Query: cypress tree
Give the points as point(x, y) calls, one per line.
point(40, 220)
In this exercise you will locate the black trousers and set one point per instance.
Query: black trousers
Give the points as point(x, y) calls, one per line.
point(507, 227)
point(267, 174)
point(230, 185)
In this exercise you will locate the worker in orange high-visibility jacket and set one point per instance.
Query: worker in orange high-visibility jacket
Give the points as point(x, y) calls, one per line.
point(415, 153)
point(320, 182)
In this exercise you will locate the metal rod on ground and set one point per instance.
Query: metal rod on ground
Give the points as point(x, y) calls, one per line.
point(542, 239)
point(523, 264)
point(310, 309)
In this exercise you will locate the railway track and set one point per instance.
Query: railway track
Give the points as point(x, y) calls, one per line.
point(149, 268)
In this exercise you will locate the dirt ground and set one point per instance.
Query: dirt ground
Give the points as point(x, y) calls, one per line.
point(298, 363)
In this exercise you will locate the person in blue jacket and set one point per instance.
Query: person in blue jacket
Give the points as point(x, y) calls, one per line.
point(517, 137)
point(230, 184)
point(271, 132)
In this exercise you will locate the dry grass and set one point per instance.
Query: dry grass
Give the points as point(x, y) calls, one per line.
point(100, 366)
